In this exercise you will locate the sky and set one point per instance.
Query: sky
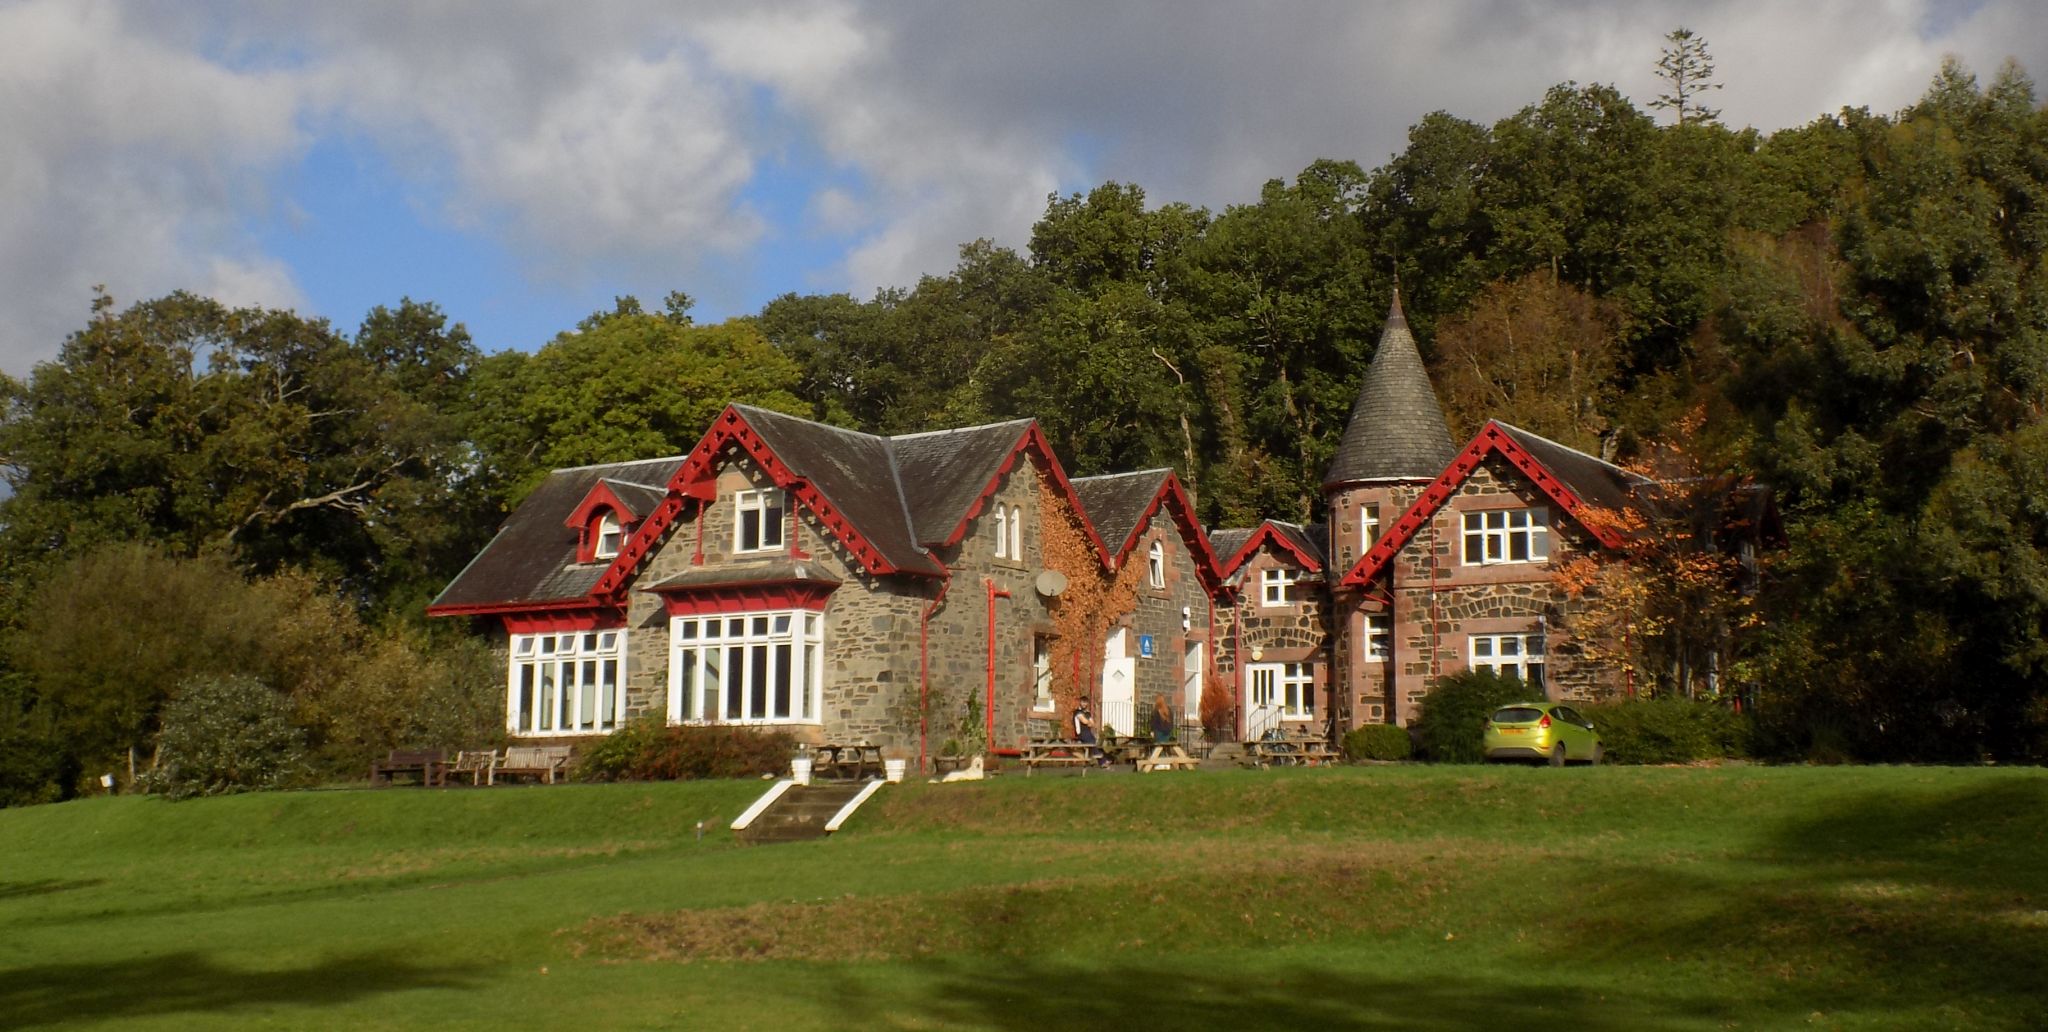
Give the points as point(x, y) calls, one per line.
point(521, 164)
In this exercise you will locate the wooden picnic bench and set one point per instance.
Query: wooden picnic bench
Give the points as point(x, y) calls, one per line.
point(1059, 753)
point(857, 761)
point(430, 765)
point(1291, 751)
point(544, 763)
point(1166, 756)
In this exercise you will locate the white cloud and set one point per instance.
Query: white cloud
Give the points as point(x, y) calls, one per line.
point(129, 163)
point(617, 143)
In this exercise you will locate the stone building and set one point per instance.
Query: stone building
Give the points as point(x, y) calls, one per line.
point(1431, 559)
point(912, 591)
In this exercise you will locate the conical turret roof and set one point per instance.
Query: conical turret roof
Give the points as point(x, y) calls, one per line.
point(1397, 429)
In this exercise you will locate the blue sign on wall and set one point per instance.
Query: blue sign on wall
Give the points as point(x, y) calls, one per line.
point(1145, 645)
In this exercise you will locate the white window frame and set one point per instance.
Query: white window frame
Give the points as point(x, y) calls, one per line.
point(1289, 686)
point(1495, 537)
point(751, 509)
point(610, 534)
point(1155, 565)
point(1002, 532)
point(1017, 532)
point(1368, 527)
point(761, 667)
point(1041, 673)
point(1276, 585)
point(565, 683)
point(1379, 637)
point(1510, 655)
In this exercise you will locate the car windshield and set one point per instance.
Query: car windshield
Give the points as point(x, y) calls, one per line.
point(1517, 715)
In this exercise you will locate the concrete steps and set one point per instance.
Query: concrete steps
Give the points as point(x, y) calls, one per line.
point(1223, 756)
point(800, 815)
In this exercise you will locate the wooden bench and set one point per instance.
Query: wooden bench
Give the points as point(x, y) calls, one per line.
point(430, 764)
point(1058, 753)
point(1167, 756)
point(476, 764)
point(542, 762)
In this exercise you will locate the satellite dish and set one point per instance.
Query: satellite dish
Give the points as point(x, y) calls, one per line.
point(1051, 583)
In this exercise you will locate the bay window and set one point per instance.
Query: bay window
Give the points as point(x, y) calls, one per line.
point(566, 683)
point(747, 668)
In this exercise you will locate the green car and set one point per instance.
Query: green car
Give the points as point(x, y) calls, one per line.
point(1548, 731)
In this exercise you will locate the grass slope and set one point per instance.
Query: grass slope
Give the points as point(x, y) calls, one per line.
point(1401, 897)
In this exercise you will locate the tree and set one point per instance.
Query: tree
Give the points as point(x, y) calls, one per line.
point(1536, 353)
point(1688, 69)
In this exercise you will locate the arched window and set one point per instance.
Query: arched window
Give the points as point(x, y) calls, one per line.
point(1002, 532)
point(1017, 533)
point(609, 533)
point(1155, 565)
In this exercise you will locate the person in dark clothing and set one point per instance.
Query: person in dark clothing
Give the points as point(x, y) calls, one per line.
point(1162, 721)
point(1084, 722)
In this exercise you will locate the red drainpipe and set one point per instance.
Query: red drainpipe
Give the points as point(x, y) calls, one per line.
point(924, 661)
point(989, 710)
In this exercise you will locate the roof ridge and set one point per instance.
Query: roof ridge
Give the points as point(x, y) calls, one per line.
point(1129, 473)
point(623, 462)
point(958, 429)
point(1624, 471)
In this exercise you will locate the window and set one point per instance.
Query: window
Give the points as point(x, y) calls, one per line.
point(1368, 527)
point(1506, 536)
point(1275, 587)
point(747, 668)
point(1041, 673)
point(1510, 655)
point(566, 684)
point(1379, 637)
point(608, 534)
point(1010, 532)
point(1289, 686)
point(757, 520)
point(1155, 565)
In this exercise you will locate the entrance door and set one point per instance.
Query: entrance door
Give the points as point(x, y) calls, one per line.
point(1191, 681)
point(1119, 683)
point(1262, 698)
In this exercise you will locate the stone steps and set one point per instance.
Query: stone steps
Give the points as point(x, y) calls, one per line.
point(800, 815)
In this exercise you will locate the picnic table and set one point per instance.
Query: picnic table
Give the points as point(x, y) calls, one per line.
point(852, 761)
point(1166, 756)
point(429, 765)
point(1059, 752)
point(1291, 750)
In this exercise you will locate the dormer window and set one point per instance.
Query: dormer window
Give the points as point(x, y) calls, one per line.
point(1155, 565)
point(1276, 587)
point(609, 534)
point(757, 520)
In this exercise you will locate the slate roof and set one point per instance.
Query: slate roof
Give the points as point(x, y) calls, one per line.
point(533, 557)
point(1396, 430)
point(1115, 502)
point(944, 472)
point(1230, 544)
point(1596, 482)
point(900, 493)
point(780, 571)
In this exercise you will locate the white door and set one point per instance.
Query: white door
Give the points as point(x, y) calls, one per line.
point(1191, 681)
point(1262, 698)
point(1119, 683)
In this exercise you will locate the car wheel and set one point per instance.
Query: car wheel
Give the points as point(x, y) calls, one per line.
point(1596, 754)
point(1557, 755)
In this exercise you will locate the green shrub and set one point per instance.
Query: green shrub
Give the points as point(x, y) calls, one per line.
point(1378, 742)
point(1454, 713)
point(225, 734)
point(646, 750)
point(1668, 731)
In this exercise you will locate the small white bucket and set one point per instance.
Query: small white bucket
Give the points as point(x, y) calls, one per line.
point(892, 770)
point(800, 770)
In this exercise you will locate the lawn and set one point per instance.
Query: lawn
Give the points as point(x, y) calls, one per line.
point(1394, 897)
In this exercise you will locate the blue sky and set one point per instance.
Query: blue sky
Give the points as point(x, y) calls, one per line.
point(522, 163)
